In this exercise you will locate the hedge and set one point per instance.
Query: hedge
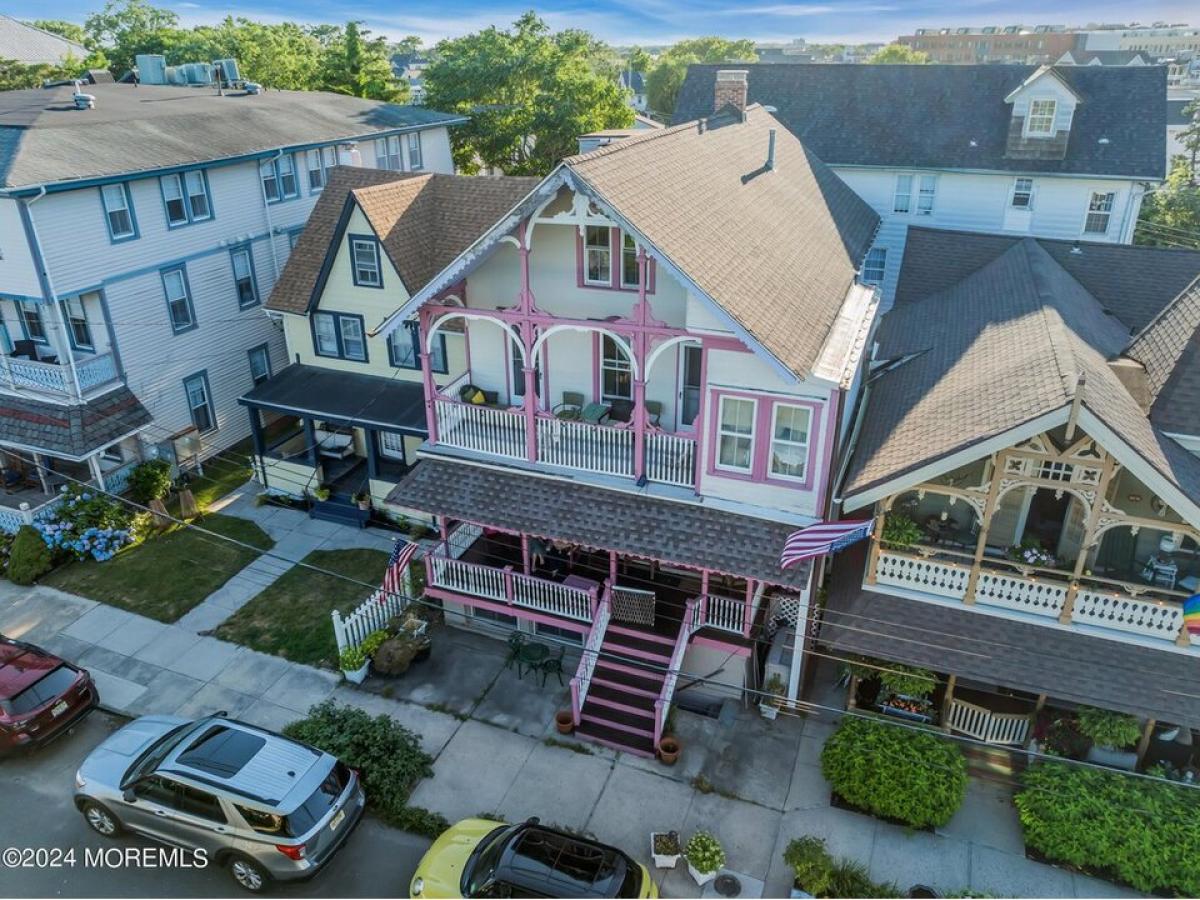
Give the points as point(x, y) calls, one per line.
point(1143, 832)
point(895, 772)
point(29, 557)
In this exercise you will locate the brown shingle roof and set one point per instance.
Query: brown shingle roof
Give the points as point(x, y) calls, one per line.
point(776, 249)
point(1169, 348)
point(423, 222)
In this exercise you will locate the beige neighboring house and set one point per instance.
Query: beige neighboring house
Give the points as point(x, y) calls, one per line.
point(32, 46)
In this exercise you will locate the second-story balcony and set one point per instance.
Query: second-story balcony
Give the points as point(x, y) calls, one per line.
point(53, 376)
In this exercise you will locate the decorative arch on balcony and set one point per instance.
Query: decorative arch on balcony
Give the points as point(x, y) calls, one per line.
point(437, 324)
point(585, 327)
point(666, 345)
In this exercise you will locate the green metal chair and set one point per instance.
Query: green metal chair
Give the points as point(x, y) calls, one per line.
point(571, 407)
point(553, 666)
point(654, 411)
point(516, 641)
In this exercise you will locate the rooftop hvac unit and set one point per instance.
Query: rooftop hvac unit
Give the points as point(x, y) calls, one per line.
point(152, 68)
point(175, 75)
point(229, 69)
point(198, 73)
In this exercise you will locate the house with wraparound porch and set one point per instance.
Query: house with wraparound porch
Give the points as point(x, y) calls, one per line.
point(1037, 506)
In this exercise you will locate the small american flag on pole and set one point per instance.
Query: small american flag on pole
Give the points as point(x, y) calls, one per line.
point(827, 537)
point(393, 578)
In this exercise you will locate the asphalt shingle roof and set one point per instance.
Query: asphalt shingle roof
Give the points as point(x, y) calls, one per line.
point(32, 46)
point(345, 396)
point(776, 249)
point(686, 534)
point(1169, 348)
point(135, 129)
point(928, 116)
point(71, 431)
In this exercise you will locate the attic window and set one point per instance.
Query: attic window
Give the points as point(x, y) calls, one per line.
point(1041, 118)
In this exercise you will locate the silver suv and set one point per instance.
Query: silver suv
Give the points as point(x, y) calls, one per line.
point(266, 806)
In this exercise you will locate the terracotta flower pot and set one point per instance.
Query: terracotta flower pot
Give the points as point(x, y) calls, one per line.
point(564, 721)
point(669, 749)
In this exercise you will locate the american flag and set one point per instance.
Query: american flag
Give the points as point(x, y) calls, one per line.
point(828, 537)
point(393, 578)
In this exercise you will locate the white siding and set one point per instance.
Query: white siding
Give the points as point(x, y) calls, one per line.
point(18, 275)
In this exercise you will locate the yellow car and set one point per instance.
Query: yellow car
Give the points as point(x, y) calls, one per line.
point(482, 858)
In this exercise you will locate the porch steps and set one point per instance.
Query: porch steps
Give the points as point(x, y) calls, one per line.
point(640, 647)
point(340, 510)
point(619, 709)
point(626, 738)
point(624, 688)
point(616, 699)
point(653, 637)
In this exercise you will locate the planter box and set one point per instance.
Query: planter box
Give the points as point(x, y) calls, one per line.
point(769, 711)
point(358, 676)
point(662, 860)
point(700, 878)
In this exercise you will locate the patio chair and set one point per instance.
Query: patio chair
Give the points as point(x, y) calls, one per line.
point(622, 410)
point(571, 407)
point(654, 411)
point(25, 348)
point(516, 640)
point(553, 665)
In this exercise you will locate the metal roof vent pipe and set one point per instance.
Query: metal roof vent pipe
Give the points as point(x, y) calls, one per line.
point(82, 100)
point(771, 150)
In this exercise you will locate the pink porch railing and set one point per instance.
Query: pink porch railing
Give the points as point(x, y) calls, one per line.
point(662, 706)
point(513, 588)
point(591, 653)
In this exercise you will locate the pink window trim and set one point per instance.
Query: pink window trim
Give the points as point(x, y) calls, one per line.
point(614, 262)
point(761, 462)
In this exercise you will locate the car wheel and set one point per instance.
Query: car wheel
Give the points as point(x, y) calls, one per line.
point(103, 822)
point(248, 874)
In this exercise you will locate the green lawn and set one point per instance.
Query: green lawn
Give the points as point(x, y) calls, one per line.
point(291, 617)
point(221, 475)
point(167, 574)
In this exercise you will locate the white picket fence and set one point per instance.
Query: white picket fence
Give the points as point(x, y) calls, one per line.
point(371, 615)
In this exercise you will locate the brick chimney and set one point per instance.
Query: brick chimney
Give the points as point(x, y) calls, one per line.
point(732, 88)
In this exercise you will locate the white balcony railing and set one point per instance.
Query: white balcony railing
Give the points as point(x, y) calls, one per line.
point(485, 429)
point(723, 613)
point(552, 597)
point(671, 459)
point(511, 588)
point(985, 725)
point(55, 378)
point(581, 445)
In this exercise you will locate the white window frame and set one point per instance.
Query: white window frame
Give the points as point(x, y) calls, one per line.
point(276, 173)
point(263, 352)
point(1018, 191)
point(416, 155)
point(803, 446)
point(874, 266)
point(602, 251)
point(77, 322)
point(905, 206)
point(360, 339)
point(926, 194)
point(629, 266)
point(193, 179)
point(319, 161)
point(206, 403)
point(109, 193)
point(1101, 208)
point(616, 364)
point(30, 311)
point(327, 340)
point(183, 299)
point(1043, 119)
point(366, 272)
point(723, 433)
point(243, 253)
point(387, 153)
point(172, 188)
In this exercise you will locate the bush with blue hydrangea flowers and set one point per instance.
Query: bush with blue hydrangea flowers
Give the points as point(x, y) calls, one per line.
point(88, 524)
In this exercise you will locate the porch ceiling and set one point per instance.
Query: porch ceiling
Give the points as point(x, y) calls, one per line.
point(71, 432)
point(371, 400)
point(1040, 659)
point(684, 534)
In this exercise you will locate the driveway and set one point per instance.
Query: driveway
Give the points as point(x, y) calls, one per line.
point(37, 812)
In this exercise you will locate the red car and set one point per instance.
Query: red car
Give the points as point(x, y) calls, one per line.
point(41, 696)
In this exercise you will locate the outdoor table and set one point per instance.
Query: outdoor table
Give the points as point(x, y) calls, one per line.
point(529, 654)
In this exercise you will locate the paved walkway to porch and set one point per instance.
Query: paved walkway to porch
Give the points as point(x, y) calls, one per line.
point(492, 735)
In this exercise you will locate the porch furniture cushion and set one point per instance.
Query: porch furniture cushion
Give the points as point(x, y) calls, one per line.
point(571, 406)
point(595, 413)
point(469, 393)
point(334, 443)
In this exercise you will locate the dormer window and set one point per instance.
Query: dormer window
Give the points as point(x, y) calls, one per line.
point(1040, 122)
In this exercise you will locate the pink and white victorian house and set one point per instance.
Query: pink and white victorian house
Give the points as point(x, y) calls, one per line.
point(662, 345)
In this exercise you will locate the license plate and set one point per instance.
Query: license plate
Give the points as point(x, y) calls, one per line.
point(337, 819)
point(58, 708)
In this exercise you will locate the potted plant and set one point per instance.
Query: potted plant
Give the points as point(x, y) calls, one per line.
point(363, 499)
point(900, 532)
point(664, 849)
point(564, 721)
point(354, 664)
point(705, 857)
point(1113, 736)
point(812, 866)
point(769, 706)
point(322, 492)
point(669, 749)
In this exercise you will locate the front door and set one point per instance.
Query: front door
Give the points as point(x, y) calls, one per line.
point(690, 387)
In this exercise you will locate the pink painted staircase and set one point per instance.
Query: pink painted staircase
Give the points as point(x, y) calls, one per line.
point(619, 709)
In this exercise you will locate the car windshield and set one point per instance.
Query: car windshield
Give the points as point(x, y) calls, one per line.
point(482, 866)
point(153, 755)
point(53, 684)
point(305, 817)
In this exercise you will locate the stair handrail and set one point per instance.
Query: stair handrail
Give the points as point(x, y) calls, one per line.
point(582, 680)
point(662, 706)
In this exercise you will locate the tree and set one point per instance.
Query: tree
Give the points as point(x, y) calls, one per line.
point(408, 46)
point(1190, 137)
point(1170, 215)
point(360, 66)
point(894, 54)
point(529, 93)
point(284, 56)
point(70, 30)
point(126, 28)
point(666, 76)
point(639, 60)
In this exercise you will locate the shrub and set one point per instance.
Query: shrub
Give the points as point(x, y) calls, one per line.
point(895, 677)
point(811, 864)
point(88, 524)
point(372, 641)
point(1141, 831)
point(850, 878)
point(704, 852)
point(1109, 729)
point(895, 772)
point(387, 755)
point(30, 558)
point(6, 542)
point(351, 659)
point(900, 531)
point(150, 480)
point(419, 820)
point(1063, 738)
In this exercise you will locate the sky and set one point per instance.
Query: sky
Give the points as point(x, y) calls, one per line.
point(625, 22)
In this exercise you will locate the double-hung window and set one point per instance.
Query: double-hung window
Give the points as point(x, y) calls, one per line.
point(616, 372)
point(320, 161)
point(186, 198)
point(339, 335)
point(1041, 118)
point(789, 441)
point(387, 153)
point(926, 191)
point(735, 434)
point(1099, 212)
point(404, 345)
point(179, 300)
point(597, 255)
point(77, 322)
point(1022, 195)
point(31, 318)
point(278, 178)
point(902, 199)
point(364, 255)
point(260, 364)
point(243, 276)
point(416, 160)
point(874, 266)
point(118, 211)
point(629, 261)
point(199, 401)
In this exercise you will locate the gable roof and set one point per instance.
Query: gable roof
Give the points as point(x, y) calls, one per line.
point(33, 46)
point(777, 249)
point(423, 222)
point(928, 116)
point(1013, 342)
point(1169, 348)
point(143, 128)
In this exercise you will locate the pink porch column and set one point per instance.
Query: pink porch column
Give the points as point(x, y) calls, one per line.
point(525, 553)
point(427, 379)
point(612, 566)
point(530, 371)
point(508, 585)
point(639, 426)
point(748, 613)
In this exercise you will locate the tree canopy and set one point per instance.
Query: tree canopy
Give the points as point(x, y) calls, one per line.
point(666, 75)
point(894, 54)
point(1170, 215)
point(529, 92)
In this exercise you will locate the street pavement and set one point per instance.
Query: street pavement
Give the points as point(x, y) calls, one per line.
point(36, 811)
